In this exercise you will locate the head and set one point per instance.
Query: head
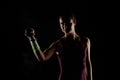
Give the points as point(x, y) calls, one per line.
point(67, 23)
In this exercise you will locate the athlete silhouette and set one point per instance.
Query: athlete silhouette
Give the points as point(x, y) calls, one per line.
point(73, 51)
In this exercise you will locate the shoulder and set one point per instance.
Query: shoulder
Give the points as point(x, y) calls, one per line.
point(85, 40)
point(88, 41)
point(56, 43)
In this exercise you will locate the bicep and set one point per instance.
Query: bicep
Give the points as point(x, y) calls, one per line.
point(88, 48)
point(89, 60)
point(50, 51)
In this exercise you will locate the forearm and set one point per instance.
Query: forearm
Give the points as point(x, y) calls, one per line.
point(45, 55)
point(91, 77)
point(89, 72)
point(36, 49)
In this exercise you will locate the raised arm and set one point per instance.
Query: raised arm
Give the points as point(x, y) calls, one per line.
point(89, 65)
point(44, 55)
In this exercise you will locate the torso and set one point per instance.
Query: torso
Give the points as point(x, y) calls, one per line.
point(72, 58)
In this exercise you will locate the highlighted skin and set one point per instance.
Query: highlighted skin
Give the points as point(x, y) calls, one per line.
point(72, 50)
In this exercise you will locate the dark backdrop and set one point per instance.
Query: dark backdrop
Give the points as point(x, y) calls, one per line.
point(19, 60)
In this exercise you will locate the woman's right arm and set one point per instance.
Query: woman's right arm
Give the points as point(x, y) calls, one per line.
point(44, 55)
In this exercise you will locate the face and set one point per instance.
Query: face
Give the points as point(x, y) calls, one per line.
point(65, 24)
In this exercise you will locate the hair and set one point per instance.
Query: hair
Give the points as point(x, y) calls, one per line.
point(68, 17)
point(74, 18)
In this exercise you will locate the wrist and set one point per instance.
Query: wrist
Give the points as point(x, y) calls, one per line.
point(32, 38)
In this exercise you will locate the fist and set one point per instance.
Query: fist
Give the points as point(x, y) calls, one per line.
point(29, 32)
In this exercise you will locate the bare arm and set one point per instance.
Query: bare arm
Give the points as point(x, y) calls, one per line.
point(89, 65)
point(44, 55)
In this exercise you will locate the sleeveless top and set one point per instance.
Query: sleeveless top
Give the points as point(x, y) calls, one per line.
point(72, 58)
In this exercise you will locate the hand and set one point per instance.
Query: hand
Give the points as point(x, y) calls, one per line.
point(29, 33)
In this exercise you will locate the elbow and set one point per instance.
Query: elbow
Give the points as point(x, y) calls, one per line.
point(44, 59)
point(41, 60)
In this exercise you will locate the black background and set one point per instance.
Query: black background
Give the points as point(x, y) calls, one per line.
point(19, 61)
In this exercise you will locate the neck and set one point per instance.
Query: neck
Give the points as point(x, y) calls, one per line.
point(72, 30)
point(73, 33)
